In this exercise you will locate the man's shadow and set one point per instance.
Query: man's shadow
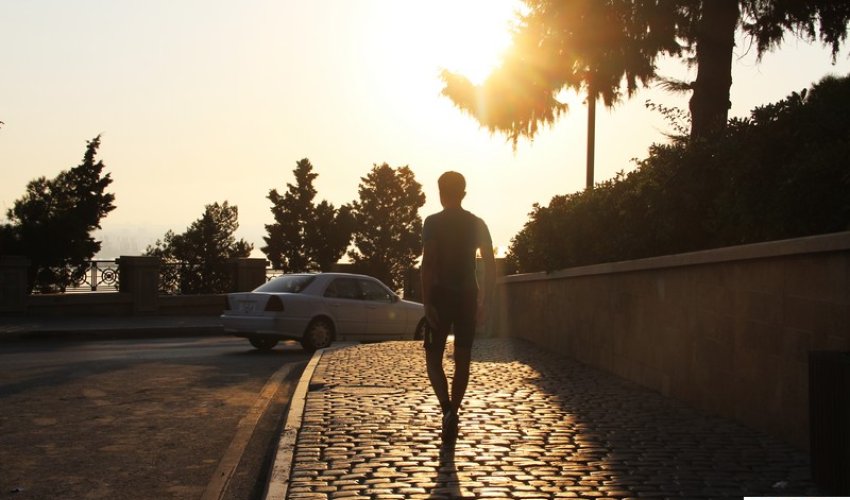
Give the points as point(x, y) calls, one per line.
point(448, 483)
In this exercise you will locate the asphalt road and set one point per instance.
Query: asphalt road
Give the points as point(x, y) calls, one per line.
point(162, 418)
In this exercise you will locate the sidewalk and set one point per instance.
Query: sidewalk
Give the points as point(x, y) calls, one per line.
point(532, 426)
point(117, 327)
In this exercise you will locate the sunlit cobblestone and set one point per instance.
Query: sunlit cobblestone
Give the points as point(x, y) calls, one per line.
point(532, 426)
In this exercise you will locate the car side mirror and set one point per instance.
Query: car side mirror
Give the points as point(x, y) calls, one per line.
point(395, 298)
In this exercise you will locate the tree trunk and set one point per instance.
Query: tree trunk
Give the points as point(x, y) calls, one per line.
point(715, 41)
point(591, 137)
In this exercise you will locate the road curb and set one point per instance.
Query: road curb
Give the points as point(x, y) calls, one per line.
point(281, 467)
point(223, 475)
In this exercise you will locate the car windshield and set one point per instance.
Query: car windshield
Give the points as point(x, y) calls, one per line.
point(295, 283)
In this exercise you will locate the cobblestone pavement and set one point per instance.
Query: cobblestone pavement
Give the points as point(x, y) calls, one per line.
point(532, 426)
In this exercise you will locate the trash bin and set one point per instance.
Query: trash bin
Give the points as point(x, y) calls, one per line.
point(829, 421)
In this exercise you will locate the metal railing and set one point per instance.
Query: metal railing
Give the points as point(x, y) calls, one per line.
point(102, 275)
point(98, 275)
point(179, 277)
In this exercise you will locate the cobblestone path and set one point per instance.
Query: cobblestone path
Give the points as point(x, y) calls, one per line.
point(532, 426)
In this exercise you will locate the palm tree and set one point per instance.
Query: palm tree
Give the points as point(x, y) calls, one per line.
point(597, 45)
point(590, 46)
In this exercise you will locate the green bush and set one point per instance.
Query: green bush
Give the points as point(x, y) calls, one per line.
point(783, 172)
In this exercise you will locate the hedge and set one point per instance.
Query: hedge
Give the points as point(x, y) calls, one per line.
point(783, 172)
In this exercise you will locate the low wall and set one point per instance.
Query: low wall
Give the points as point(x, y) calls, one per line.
point(80, 304)
point(121, 304)
point(138, 293)
point(192, 305)
point(727, 330)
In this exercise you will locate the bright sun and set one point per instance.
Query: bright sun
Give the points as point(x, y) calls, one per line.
point(467, 37)
point(473, 42)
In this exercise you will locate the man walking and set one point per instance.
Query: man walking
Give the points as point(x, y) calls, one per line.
point(451, 295)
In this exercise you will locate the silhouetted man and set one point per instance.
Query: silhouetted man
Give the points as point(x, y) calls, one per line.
point(450, 292)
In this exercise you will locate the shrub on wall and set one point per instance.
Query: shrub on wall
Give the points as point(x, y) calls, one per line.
point(783, 172)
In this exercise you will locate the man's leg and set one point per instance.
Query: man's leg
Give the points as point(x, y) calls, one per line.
point(463, 356)
point(437, 375)
point(435, 347)
point(464, 335)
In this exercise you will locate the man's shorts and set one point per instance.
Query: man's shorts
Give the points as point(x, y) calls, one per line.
point(456, 310)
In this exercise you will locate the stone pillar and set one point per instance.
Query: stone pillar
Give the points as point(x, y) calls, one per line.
point(248, 274)
point(139, 276)
point(13, 283)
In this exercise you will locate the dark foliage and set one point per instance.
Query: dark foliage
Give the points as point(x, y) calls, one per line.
point(52, 223)
point(387, 233)
point(781, 173)
point(305, 236)
point(328, 235)
point(601, 46)
point(597, 46)
point(200, 259)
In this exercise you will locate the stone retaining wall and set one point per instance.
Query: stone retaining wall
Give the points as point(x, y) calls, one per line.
point(80, 304)
point(727, 330)
point(121, 304)
point(138, 291)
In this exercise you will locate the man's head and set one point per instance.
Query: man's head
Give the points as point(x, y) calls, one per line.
point(452, 188)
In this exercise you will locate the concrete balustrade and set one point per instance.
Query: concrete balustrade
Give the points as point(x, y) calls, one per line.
point(726, 330)
point(138, 291)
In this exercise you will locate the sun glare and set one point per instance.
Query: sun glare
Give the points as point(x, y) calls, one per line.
point(467, 38)
point(475, 46)
point(476, 36)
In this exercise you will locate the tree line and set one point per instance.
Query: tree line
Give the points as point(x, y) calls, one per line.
point(383, 226)
point(379, 232)
point(605, 48)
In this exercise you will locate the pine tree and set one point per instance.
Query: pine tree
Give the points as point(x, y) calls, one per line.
point(328, 235)
point(52, 223)
point(387, 228)
point(203, 252)
point(292, 212)
point(305, 237)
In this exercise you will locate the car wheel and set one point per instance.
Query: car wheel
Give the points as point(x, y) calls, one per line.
point(419, 334)
point(263, 344)
point(319, 334)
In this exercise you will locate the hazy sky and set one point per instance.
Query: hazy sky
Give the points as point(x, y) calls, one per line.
point(200, 101)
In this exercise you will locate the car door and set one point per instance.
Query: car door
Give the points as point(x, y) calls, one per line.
point(383, 316)
point(345, 302)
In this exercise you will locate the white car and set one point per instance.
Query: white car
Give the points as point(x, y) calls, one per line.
point(317, 309)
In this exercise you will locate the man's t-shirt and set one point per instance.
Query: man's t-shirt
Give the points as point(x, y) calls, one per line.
point(458, 234)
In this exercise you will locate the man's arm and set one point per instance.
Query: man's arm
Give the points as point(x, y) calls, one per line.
point(429, 258)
